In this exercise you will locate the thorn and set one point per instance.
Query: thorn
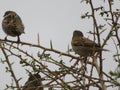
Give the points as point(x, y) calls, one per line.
point(51, 46)
point(68, 49)
point(38, 39)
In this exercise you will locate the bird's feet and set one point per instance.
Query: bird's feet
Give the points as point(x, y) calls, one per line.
point(5, 38)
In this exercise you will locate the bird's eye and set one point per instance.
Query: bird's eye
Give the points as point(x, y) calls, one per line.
point(10, 17)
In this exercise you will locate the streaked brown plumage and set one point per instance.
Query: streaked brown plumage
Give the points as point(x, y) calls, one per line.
point(33, 83)
point(12, 24)
point(83, 46)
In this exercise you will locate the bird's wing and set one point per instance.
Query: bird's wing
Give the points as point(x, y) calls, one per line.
point(82, 41)
point(76, 42)
point(19, 24)
point(88, 42)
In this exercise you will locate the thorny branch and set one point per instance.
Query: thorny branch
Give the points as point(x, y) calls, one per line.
point(10, 67)
point(66, 64)
point(56, 75)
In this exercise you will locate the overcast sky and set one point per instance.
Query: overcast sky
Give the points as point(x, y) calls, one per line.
point(53, 19)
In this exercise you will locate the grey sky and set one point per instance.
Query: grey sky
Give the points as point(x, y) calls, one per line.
point(53, 19)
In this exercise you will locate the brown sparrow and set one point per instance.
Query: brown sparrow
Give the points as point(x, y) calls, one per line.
point(33, 83)
point(12, 24)
point(83, 46)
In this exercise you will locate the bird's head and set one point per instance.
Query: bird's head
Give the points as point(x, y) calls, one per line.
point(77, 33)
point(9, 14)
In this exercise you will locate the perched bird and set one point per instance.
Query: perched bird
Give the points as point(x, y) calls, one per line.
point(33, 83)
point(83, 46)
point(12, 24)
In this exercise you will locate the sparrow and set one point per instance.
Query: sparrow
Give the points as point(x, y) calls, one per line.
point(33, 82)
point(12, 24)
point(84, 46)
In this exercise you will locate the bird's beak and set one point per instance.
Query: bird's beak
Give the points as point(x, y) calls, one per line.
point(4, 15)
